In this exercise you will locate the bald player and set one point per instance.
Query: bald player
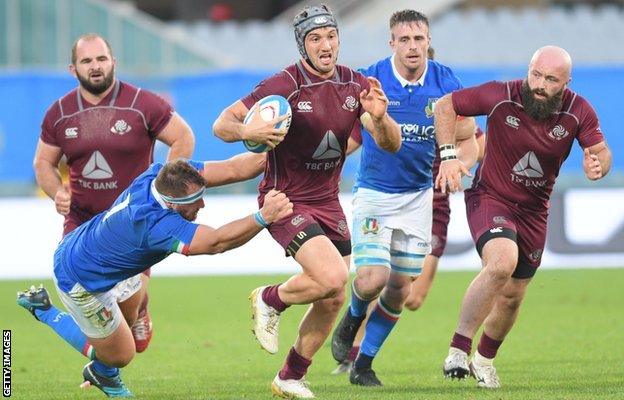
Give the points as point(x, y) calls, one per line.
point(531, 126)
point(106, 129)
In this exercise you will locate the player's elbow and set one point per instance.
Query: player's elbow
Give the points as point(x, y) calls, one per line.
point(444, 107)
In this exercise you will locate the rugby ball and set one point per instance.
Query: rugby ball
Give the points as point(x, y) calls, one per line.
point(270, 107)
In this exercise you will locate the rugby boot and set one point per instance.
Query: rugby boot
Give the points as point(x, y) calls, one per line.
point(291, 388)
point(456, 364)
point(484, 373)
point(34, 299)
point(344, 335)
point(142, 331)
point(266, 321)
point(343, 367)
point(111, 386)
point(364, 377)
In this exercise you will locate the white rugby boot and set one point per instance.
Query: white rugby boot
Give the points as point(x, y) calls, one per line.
point(291, 388)
point(266, 321)
point(456, 364)
point(482, 369)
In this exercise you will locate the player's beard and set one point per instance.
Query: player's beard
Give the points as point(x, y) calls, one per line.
point(97, 88)
point(540, 110)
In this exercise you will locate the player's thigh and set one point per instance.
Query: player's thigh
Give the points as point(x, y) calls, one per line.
point(371, 250)
point(99, 317)
point(408, 251)
point(322, 261)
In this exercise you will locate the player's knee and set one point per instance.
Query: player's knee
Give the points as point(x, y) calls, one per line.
point(370, 283)
point(399, 289)
point(333, 284)
point(500, 268)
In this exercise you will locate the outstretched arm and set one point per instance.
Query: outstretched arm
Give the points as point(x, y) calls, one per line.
point(208, 240)
point(239, 168)
point(382, 127)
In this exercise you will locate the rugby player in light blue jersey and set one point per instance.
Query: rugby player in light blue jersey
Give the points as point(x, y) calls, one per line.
point(392, 204)
point(97, 266)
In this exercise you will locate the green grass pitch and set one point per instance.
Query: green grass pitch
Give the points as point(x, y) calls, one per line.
point(567, 344)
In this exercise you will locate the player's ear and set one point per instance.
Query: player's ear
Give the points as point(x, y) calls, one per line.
point(72, 69)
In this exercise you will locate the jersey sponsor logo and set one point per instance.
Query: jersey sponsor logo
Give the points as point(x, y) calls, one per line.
point(71, 133)
point(417, 133)
point(121, 127)
point(370, 225)
point(328, 148)
point(529, 166)
point(558, 132)
point(350, 104)
point(97, 167)
point(528, 170)
point(297, 220)
point(512, 121)
point(430, 107)
point(304, 106)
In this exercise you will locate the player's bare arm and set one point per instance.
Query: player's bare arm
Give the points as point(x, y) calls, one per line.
point(229, 126)
point(208, 240)
point(376, 120)
point(239, 168)
point(47, 158)
point(451, 168)
point(597, 161)
point(178, 135)
point(467, 146)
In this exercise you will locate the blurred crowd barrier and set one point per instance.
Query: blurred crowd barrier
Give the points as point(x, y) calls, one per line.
point(586, 230)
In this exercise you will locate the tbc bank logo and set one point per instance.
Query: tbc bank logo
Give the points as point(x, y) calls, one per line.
point(328, 148)
point(529, 166)
point(97, 167)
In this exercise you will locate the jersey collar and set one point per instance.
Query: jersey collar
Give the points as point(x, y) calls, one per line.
point(404, 82)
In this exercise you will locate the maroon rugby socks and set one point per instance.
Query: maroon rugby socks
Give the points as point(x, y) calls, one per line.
point(271, 297)
point(488, 347)
point(462, 343)
point(295, 366)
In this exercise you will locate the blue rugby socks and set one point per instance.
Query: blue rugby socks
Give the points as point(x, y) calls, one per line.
point(358, 305)
point(65, 326)
point(380, 323)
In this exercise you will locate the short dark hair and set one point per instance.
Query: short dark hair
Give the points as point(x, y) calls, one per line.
point(408, 16)
point(88, 36)
point(175, 178)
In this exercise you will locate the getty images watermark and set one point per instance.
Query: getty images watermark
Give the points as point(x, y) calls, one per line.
point(6, 363)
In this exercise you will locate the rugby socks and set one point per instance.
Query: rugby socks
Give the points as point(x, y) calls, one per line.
point(358, 305)
point(295, 367)
point(104, 369)
point(488, 347)
point(271, 297)
point(380, 323)
point(462, 343)
point(65, 326)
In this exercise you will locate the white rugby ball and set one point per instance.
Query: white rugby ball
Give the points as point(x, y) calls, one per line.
point(270, 107)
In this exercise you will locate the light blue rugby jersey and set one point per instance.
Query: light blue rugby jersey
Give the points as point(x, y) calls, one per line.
point(137, 232)
point(411, 107)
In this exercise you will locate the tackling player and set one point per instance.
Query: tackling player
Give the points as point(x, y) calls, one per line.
point(102, 259)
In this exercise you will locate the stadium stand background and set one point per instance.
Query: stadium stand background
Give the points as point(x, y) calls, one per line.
point(202, 64)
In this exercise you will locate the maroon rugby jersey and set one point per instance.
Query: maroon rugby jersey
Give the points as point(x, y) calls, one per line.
point(106, 145)
point(523, 156)
point(307, 164)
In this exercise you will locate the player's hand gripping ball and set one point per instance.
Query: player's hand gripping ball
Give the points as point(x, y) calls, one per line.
point(270, 107)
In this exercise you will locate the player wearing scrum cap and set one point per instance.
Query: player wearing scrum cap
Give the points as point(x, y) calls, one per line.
point(327, 100)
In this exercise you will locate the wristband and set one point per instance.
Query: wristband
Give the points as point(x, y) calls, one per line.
point(260, 219)
point(448, 152)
